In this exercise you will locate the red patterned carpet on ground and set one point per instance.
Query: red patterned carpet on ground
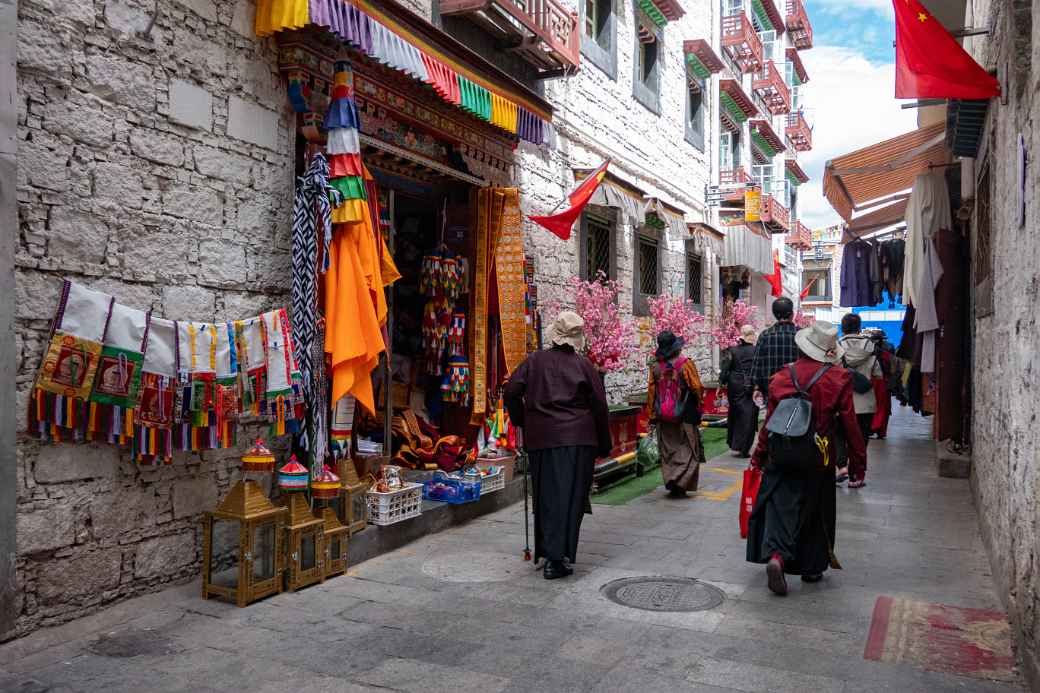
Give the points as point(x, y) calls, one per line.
point(967, 642)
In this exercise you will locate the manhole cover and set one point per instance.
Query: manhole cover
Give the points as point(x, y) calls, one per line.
point(663, 594)
point(134, 643)
point(475, 567)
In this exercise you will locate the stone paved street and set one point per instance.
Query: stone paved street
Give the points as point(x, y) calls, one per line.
point(458, 611)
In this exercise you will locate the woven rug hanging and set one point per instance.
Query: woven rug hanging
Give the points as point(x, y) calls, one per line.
point(58, 403)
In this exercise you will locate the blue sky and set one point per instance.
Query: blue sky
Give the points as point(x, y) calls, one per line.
point(849, 98)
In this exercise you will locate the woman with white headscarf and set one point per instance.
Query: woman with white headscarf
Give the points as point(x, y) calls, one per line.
point(556, 397)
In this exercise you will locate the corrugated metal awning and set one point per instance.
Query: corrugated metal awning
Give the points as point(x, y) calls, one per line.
point(852, 181)
point(747, 248)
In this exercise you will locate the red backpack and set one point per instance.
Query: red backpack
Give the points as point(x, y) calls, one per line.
point(672, 395)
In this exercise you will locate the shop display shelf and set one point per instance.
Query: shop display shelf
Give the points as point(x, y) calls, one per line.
point(395, 506)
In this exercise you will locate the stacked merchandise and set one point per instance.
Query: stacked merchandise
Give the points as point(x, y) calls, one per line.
point(117, 374)
point(444, 280)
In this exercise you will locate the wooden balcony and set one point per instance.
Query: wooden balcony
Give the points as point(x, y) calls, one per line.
point(775, 216)
point(798, 25)
point(733, 183)
point(740, 40)
point(770, 85)
point(542, 32)
point(800, 237)
point(798, 132)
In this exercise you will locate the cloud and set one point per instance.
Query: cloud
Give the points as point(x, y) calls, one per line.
point(850, 104)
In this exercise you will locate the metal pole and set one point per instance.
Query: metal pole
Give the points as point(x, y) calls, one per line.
point(387, 388)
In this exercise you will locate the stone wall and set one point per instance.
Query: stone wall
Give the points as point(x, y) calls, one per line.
point(155, 163)
point(1006, 438)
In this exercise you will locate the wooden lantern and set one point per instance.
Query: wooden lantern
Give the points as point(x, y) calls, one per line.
point(335, 538)
point(304, 544)
point(242, 554)
point(353, 504)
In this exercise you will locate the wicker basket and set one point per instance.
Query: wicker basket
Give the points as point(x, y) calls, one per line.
point(395, 506)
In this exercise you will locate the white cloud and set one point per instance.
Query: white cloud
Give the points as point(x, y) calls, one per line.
point(850, 103)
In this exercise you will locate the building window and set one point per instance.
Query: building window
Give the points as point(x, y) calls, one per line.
point(695, 279)
point(599, 34)
point(729, 150)
point(696, 108)
point(598, 246)
point(646, 280)
point(646, 82)
point(820, 279)
point(763, 175)
point(769, 44)
point(732, 7)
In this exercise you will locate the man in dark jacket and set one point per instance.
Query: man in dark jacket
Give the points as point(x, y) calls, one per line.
point(557, 399)
point(776, 346)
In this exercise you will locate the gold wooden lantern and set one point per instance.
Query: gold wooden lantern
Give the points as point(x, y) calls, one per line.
point(352, 504)
point(242, 556)
point(304, 544)
point(335, 538)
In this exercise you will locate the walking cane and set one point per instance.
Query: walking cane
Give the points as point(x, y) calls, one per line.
point(522, 452)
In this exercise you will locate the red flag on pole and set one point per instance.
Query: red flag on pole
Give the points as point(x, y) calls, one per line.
point(805, 291)
point(562, 222)
point(930, 63)
point(776, 279)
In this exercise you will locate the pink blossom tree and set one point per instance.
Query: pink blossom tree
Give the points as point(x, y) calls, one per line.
point(802, 320)
point(735, 314)
point(610, 338)
point(678, 316)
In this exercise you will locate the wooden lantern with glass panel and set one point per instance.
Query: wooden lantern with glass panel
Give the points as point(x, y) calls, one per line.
point(242, 556)
point(304, 533)
point(327, 488)
point(352, 505)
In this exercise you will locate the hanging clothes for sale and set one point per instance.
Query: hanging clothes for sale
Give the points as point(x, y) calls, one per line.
point(892, 257)
point(927, 212)
point(856, 283)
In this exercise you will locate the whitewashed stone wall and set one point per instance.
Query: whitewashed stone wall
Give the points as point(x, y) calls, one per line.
point(595, 117)
point(155, 163)
point(1006, 471)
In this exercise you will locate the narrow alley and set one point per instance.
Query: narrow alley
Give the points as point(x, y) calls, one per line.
point(460, 611)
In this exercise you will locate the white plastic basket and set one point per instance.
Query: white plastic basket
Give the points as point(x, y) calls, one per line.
point(395, 506)
point(493, 482)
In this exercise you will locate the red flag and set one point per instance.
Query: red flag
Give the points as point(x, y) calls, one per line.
point(561, 222)
point(805, 291)
point(930, 63)
point(776, 279)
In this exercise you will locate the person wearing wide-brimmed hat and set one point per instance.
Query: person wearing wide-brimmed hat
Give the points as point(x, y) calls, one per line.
point(735, 375)
point(556, 397)
point(679, 441)
point(791, 528)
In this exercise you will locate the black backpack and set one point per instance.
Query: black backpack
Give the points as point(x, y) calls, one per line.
point(792, 440)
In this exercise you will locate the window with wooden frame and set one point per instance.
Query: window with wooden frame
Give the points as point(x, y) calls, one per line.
point(818, 281)
point(598, 251)
point(646, 275)
point(599, 34)
point(983, 254)
point(646, 80)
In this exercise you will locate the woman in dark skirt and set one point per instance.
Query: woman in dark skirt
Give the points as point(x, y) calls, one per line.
point(556, 397)
point(735, 374)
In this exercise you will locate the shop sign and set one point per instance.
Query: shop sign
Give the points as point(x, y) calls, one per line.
point(752, 205)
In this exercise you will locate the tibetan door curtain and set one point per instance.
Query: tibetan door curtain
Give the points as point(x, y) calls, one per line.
point(498, 279)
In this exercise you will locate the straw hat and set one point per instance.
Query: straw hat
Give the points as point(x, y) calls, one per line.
point(568, 328)
point(747, 333)
point(819, 341)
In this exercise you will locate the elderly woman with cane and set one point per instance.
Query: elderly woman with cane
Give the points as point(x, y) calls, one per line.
point(556, 398)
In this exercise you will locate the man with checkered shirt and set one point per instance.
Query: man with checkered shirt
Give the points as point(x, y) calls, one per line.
point(776, 347)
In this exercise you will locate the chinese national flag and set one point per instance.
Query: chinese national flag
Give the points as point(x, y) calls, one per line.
point(930, 63)
point(808, 287)
point(561, 222)
point(776, 279)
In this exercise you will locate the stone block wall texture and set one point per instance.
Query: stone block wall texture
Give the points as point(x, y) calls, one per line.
point(1006, 437)
point(155, 162)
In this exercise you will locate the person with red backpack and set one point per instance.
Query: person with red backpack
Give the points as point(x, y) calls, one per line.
point(673, 401)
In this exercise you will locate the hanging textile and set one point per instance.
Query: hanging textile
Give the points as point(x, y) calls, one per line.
point(927, 212)
point(478, 302)
point(118, 379)
point(512, 284)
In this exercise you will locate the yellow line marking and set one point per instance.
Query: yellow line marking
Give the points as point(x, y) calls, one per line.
point(726, 493)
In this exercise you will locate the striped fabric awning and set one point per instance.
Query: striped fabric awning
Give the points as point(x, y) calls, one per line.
point(852, 181)
point(876, 219)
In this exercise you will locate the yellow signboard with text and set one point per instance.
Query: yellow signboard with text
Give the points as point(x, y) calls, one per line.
point(752, 205)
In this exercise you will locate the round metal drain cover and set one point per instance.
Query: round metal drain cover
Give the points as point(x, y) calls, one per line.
point(663, 593)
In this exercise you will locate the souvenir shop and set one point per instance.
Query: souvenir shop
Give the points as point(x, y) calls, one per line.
point(411, 301)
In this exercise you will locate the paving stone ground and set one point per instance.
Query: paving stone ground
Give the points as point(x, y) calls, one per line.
point(452, 613)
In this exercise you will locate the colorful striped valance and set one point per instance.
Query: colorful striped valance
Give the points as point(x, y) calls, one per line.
point(367, 29)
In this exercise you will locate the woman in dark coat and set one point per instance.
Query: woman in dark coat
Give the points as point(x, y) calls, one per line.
point(556, 398)
point(735, 374)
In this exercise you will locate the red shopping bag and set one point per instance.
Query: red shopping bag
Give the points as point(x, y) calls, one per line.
point(752, 480)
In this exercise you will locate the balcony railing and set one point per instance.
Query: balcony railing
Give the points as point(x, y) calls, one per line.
point(798, 25)
point(740, 40)
point(735, 177)
point(543, 32)
point(775, 216)
point(799, 237)
point(798, 132)
point(770, 85)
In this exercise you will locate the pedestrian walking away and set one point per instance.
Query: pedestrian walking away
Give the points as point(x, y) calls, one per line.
point(735, 375)
point(673, 401)
point(792, 524)
point(860, 357)
point(776, 347)
point(556, 397)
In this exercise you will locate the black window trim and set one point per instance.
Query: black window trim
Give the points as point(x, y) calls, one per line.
point(649, 97)
point(603, 58)
point(693, 254)
point(699, 141)
point(640, 304)
point(607, 217)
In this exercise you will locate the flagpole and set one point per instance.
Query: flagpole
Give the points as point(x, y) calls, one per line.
point(567, 197)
